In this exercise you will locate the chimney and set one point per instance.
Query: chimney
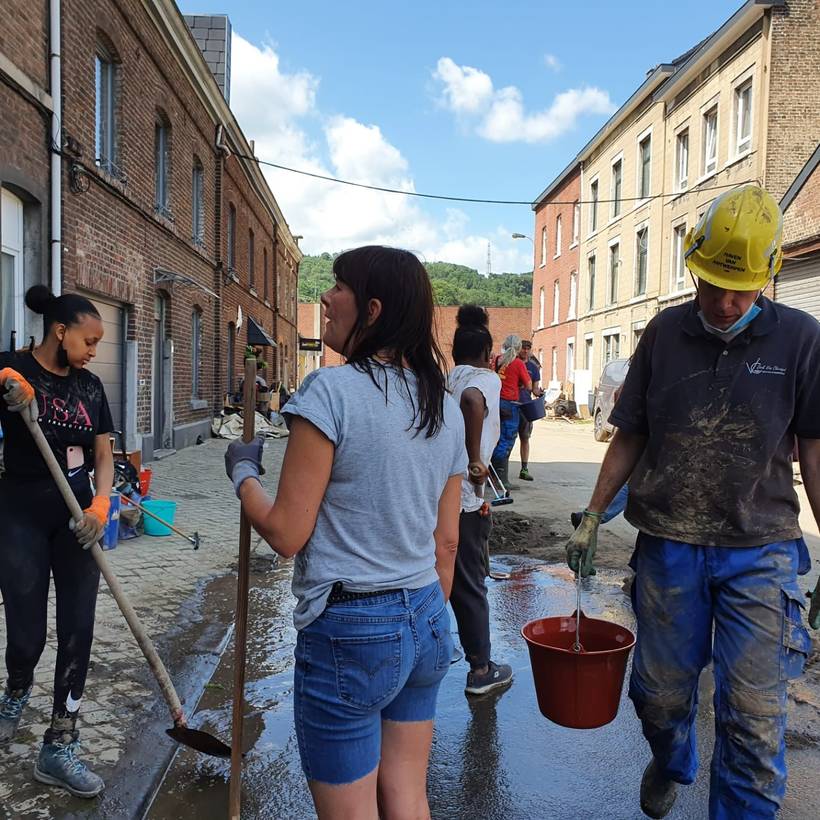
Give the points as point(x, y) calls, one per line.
point(212, 33)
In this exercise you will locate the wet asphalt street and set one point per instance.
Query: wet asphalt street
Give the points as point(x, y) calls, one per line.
point(493, 757)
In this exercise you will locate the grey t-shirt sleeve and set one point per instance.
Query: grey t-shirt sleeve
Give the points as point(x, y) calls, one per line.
point(314, 403)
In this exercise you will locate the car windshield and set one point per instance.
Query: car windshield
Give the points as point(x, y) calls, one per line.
point(616, 371)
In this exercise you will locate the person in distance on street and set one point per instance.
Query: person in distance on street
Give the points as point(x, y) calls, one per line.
point(524, 425)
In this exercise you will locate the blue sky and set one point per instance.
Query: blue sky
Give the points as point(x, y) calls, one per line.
point(476, 99)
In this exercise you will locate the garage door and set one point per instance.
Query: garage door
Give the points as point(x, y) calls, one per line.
point(108, 364)
point(798, 284)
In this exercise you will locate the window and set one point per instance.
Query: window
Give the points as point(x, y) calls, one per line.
point(556, 293)
point(231, 238)
point(612, 345)
point(554, 365)
point(591, 282)
point(231, 355)
point(251, 260)
point(678, 259)
point(682, 161)
point(196, 353)
point(198, 203)
point(543, 246)
point(570, 360)
point(265, 276)
point(162, 166)
point(641, 251)
point(541, 308)
point(588, 343)
point(612, 284)
point(637, 332)
point(576, 222)
point(644, 166)
point(617, 187)
point(710, 123)
point(743, 118)
point(573, 295)
point(558, 235)
point(11, 268)
point(105, 91)
point(593, 206)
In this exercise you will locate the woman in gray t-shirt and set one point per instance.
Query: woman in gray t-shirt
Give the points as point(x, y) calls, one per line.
point(368, 502)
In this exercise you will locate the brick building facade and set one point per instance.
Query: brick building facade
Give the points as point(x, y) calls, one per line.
point(167, 222)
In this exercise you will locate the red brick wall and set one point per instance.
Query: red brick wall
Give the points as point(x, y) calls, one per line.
point(560, 269)
point(24, 38)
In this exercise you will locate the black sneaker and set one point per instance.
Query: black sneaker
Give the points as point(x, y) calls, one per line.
point(496, 676)
point(576, 519)
point(657, 793)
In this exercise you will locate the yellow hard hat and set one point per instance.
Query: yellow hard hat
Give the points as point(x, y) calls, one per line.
point(736, 245)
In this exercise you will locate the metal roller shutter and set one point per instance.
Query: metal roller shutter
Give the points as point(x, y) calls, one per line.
point(108, 364)
point(798, 284)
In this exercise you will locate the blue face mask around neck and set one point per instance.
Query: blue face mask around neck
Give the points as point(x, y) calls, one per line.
point(734, 329)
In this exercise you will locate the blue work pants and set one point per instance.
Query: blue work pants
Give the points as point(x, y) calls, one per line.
point(741, 606)
point(509, 430)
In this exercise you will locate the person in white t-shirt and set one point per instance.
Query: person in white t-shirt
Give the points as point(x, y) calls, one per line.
point(477, 389)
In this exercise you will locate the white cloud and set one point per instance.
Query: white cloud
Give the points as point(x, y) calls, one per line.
point(499, 115)
point(275, 107)
point(552, 62)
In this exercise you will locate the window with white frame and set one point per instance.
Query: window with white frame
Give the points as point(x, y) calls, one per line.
point(637, 332)
point(589, 344)
point(710, 137)
point(743, 118)
point(11, 267)
point(573, 295)
point(558, 235)
point(614, 264)
point(593, 206)
point(645, 166)
point(541, 301)
point(576, 222)
point(591, 282)
point(197, 203)
point(641, 258)
point(612, 345)
point(678, 258)
point(554, 365)
point(556, 294)
point(617, 186)
point(543, 246)
point(105, 110)
point(570, 360)
point(682, 160)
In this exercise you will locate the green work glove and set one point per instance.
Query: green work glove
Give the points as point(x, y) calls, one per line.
point(582, 544)
point(814, 609)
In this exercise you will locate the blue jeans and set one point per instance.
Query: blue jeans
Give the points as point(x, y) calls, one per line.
point(509, 430)
point(362, 662)
point(750, 598)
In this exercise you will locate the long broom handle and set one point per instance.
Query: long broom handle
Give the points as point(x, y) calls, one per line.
point(137, 629)
point(142, 509)
point(241, 632)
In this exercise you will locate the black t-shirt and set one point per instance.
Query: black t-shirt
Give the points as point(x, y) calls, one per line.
point(720, 421)
point(73, 410)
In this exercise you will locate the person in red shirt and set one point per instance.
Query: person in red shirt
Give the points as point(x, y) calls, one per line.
point(514, 375)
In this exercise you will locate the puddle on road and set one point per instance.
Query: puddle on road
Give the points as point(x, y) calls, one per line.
point(493, 757)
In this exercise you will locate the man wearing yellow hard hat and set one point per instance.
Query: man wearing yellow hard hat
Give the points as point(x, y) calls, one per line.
point(717, 392)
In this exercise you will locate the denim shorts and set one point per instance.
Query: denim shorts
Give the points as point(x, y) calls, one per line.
point(362, 662)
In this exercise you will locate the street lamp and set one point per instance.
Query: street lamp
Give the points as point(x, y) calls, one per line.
point(523, 236)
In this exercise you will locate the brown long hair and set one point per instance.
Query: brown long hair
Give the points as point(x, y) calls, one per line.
point(404, 329)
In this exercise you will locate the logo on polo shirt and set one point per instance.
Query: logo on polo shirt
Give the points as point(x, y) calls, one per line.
point(758, 368)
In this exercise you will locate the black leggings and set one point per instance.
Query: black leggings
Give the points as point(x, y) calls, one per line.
point(35, 542)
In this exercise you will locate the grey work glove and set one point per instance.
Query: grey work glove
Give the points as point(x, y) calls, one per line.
point(583, 543)
point(243, 461)
point(88, 531)
point(814, 608)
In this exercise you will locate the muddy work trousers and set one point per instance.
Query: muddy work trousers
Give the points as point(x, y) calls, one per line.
point(36, 543)
point(509, 430)
point(741, 608)
point(469, 595)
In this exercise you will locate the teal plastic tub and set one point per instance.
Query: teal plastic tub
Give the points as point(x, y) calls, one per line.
point(166, 510)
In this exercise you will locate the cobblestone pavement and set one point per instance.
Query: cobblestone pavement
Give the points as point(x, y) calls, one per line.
point(162, 577)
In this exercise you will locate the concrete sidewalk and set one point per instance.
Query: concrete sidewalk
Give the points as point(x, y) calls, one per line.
point(122, 708)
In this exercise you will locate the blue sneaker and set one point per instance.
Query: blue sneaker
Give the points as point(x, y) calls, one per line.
point(58, 765)
point(11, 708)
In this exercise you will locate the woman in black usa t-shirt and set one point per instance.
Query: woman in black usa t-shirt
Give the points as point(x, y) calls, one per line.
point(38, 538)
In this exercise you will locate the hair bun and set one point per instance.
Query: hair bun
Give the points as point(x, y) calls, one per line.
point(472, 316)
point(38, 298)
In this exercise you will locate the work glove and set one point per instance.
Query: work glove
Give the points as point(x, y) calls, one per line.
point(582, 544)
point(244, 461)
point(89, 531)
point(814, 608)
point(19, 393)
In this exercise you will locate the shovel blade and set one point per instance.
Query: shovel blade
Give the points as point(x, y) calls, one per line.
point(200, 741)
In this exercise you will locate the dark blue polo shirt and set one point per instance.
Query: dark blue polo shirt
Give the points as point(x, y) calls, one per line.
point(720, 421)
point(535, 376)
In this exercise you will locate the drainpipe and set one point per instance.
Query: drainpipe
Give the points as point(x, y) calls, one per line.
point(56, 148)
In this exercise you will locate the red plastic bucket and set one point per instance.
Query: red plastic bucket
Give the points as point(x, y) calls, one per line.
point(146, 473)
point(580, 690)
